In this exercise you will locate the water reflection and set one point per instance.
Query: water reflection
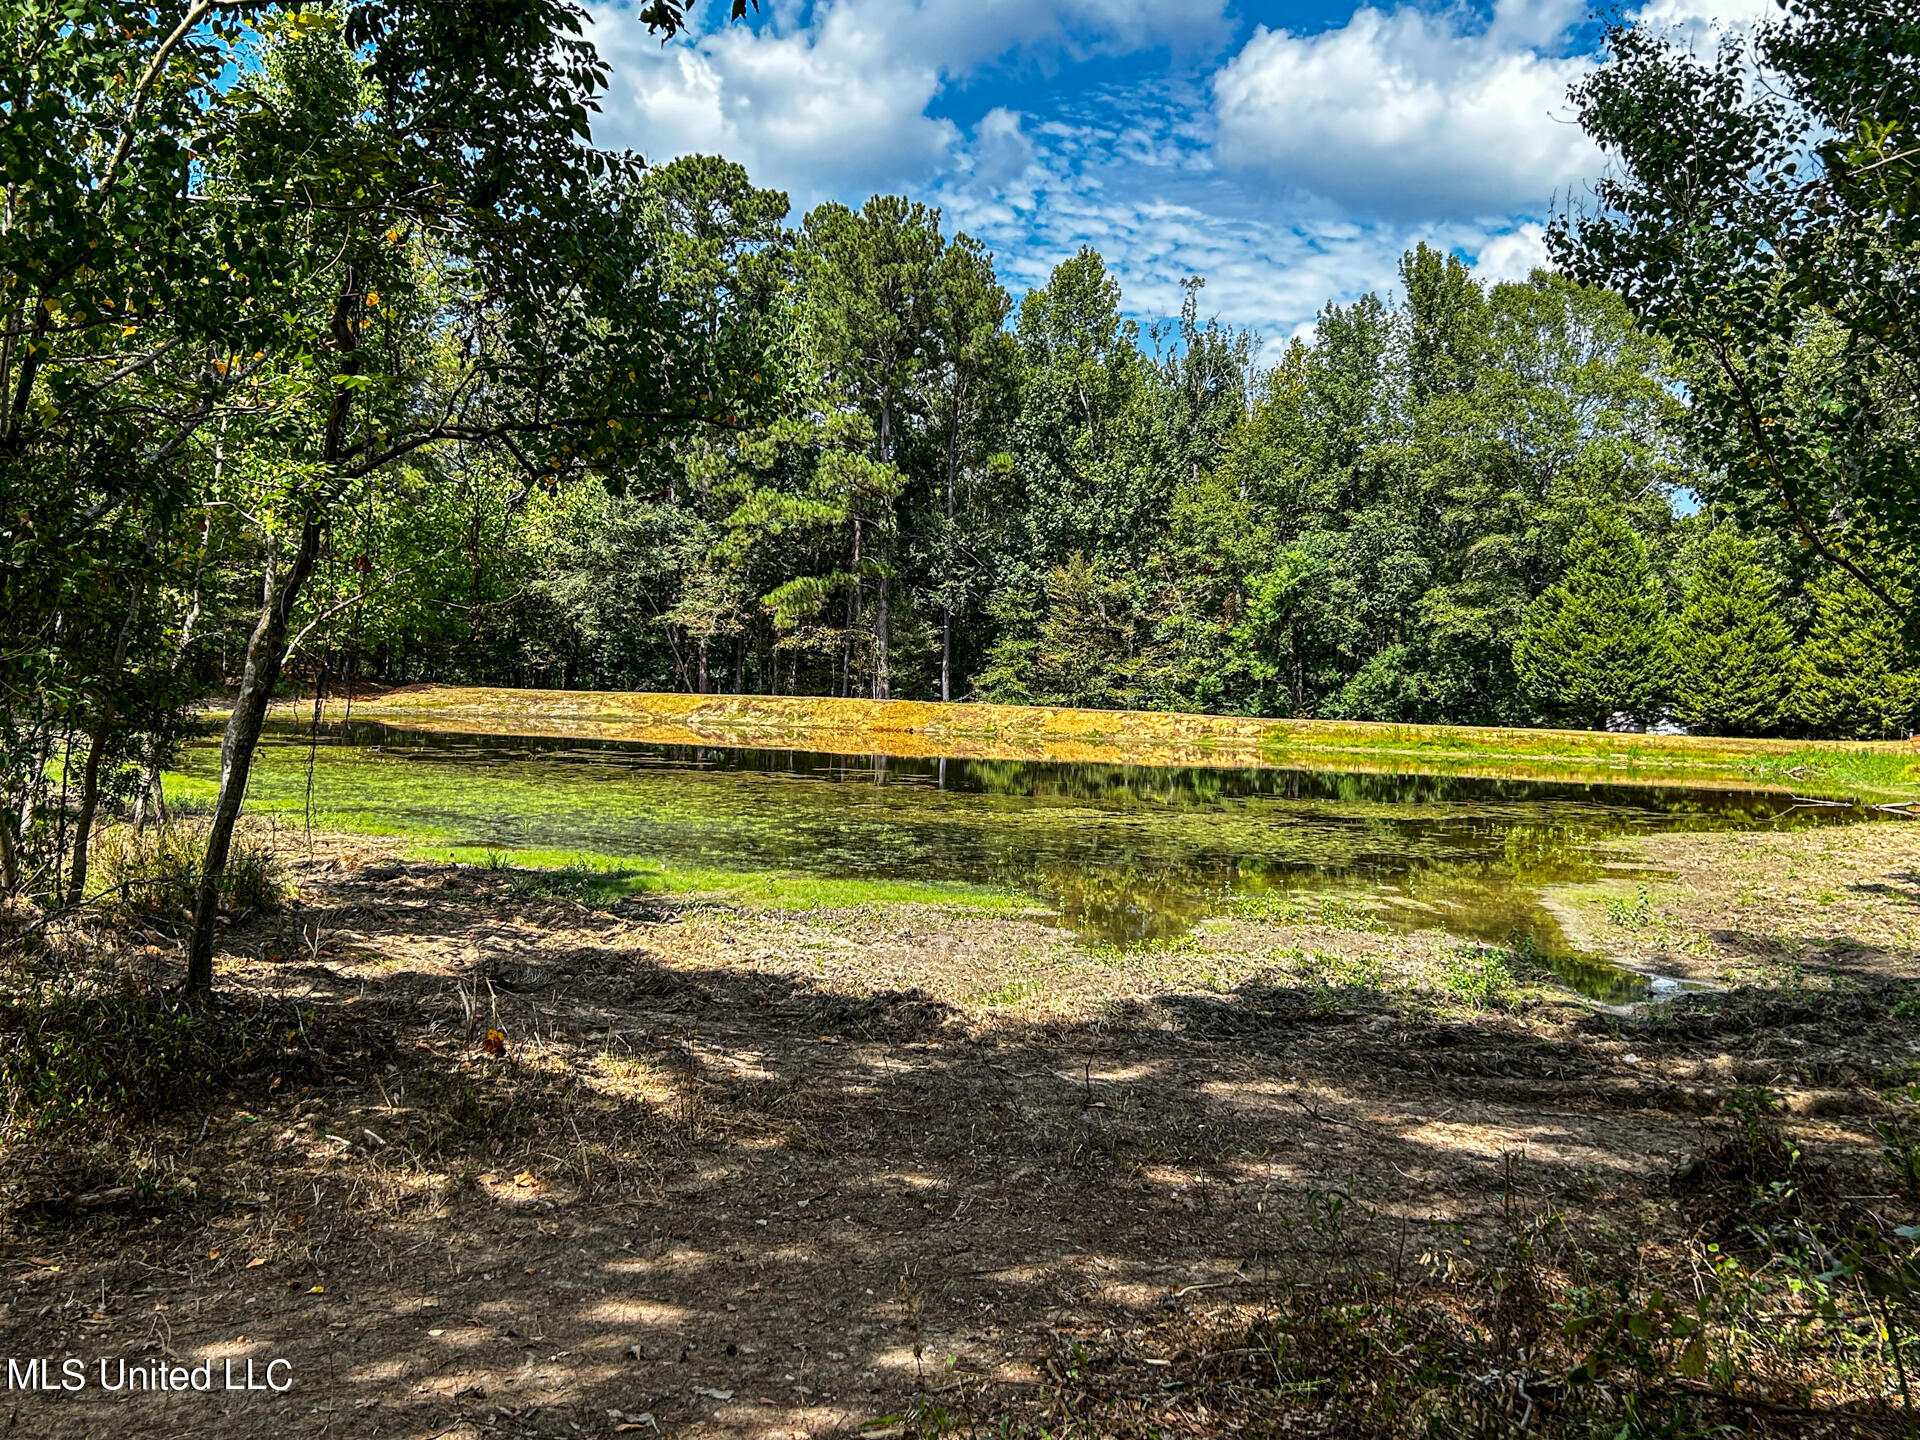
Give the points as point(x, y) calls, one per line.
point(1125, 853)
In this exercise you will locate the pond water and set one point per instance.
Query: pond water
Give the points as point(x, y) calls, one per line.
point(1125, 854)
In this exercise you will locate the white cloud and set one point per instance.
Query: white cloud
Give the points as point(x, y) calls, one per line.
point(1512, 254)
point(1296, 172)
point(1404, 113)
point(832, 100)
point(1709, 14)
point(1067, 181)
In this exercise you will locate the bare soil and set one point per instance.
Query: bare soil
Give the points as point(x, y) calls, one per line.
point(521, 1166)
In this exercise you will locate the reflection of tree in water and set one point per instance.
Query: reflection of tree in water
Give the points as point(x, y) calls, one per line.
point(1127, 906)
point(1555, 854)
point(1120, 786)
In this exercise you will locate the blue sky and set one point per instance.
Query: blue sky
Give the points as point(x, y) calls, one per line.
point(1286, 152)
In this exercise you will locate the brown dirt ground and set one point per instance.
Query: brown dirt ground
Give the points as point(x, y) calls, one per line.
point(777, 1174)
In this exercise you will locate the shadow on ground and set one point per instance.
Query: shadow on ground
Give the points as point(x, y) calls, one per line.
point(732, 1198)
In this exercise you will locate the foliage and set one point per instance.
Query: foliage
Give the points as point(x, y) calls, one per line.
point(258, 264)
point(150, 874)
point(74, 1053)
point(1760, 214)
point(1593, 645)
point(1732, 652)
point(1853, 678)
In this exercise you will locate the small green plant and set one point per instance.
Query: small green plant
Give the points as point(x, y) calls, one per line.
point(1900, 1150)
point(1634, 914)
point(570, 882)
point(1114, 952)
point(1277, 907)
point(1014, 992)
point(1481, 977)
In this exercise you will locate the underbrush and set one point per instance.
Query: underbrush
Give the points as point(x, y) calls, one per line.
point(73, 1054)
point(88, 1049)
point(1794, 1310)
point(152, 872)
point(1482, 977)
point(91, 1036)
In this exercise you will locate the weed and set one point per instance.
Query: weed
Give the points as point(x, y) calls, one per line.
point(570, 882)
point(1014, 992)
point(1754, 1182)
point(153, 872)
point(1481, 977)
point(1900, 1150)
point(1635, 914)
point(1277, 907)
point(1113, 952)
point(75, 1053)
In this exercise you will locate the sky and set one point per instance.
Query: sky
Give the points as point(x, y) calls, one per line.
point(1286, 151)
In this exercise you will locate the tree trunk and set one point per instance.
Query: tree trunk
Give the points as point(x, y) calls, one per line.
point(266, 653)
point(83, 822)
point(40, 753)
point(259, 673)
point(882, 682)
point(856, 602)
point(9, 857)
point(701, 688)
point(946, 581)
point(96, 744)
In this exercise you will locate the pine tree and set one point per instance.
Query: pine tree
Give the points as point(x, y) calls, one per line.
point(1594, 644)
point(1732, 653)
point(1854, 682)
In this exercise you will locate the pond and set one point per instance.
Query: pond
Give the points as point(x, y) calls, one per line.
point(1124, 854)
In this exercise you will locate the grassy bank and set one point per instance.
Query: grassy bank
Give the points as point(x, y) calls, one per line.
point(585, 874)
point(1880, 771)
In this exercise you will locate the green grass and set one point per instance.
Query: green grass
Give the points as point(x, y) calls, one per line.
point(1884, 771)
point(1821, 770)
point(1335, 912)
point(593, 877)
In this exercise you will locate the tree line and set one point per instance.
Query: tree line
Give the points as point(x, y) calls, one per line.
point(335, 352)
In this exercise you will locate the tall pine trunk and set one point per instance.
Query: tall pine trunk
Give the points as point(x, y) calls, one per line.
point(882, 683)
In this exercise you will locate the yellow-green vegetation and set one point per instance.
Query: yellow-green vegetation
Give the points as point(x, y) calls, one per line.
point(151, 869)
point(602, 879)
point(1878, 770)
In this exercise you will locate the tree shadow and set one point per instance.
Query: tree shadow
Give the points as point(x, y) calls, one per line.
point(687, 1181)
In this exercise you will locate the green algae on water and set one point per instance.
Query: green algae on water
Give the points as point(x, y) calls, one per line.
point(1125, 854)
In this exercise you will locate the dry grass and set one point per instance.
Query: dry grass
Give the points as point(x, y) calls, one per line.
point(1293, 1176)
